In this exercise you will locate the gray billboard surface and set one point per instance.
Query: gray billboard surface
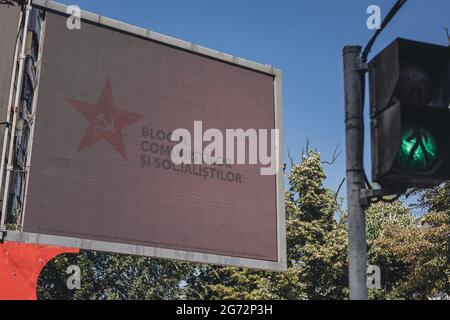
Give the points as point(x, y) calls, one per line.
point(9, 19)
point(101, 169)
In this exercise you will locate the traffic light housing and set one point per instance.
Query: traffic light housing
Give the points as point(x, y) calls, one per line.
point(410, 114)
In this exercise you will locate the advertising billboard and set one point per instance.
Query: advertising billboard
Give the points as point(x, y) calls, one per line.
point(102, 174)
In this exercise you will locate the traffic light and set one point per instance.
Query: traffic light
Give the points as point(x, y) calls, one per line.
point(410, 114)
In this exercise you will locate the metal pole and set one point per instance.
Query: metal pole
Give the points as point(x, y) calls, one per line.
point(357, 245)
point(10, 165)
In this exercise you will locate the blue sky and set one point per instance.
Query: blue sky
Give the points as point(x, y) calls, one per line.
point(303, 38)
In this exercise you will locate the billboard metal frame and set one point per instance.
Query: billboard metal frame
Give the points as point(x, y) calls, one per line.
point(8, 119)
point(281, 264)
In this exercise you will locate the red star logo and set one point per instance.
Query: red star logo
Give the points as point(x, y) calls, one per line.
point(105, 121)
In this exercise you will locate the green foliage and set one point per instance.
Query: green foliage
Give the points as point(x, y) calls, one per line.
point(112, 276)
point(412, 253)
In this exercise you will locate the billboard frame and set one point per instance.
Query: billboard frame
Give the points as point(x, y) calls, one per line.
point(164, 253)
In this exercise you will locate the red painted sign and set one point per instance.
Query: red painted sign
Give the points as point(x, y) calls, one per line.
point(20, 266)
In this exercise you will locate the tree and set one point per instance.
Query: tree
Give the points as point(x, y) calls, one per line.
point(316, 249)
point(412, 253)
point(380, 218)
point(113, 276)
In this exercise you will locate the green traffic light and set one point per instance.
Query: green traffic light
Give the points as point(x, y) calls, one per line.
point(418, 151)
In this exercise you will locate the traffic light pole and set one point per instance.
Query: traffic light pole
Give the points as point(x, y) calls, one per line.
point(357, 246)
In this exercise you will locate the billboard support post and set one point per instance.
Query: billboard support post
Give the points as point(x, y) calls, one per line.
point(10, 165)
point(357, 246)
